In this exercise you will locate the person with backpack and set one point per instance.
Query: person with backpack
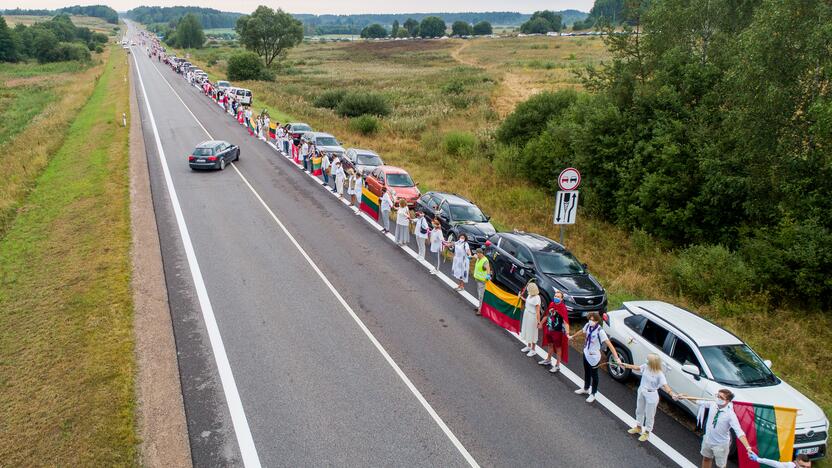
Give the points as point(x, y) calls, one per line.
point(420, 231)
point(555, 326)
point(437, 242)
point(596, 337)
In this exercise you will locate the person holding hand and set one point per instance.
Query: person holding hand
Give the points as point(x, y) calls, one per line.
point(647, 400)
point(595, 337)
point(716, 443)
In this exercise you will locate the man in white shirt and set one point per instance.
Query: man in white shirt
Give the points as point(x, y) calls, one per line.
point(800, 461)
point(386, 205)
point(716, 443)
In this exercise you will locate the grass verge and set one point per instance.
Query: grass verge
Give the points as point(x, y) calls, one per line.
point(66, 343)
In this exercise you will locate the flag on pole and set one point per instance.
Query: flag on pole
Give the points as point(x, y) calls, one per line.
point(369, 203)
point(316, 166)
point(769, 430)
point(502, 307)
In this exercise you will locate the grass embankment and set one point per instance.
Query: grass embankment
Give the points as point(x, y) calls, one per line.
point(418, 77)
point(66, 344)
point(37, 104)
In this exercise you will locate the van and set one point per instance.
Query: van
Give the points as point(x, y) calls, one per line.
point(242, 95)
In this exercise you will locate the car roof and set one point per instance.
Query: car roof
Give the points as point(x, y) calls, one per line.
point(699, 329)
point(364, 151)
point(292, 124)
point(319, 134)
point(452, 198)
point(209, 143)
point(533, 241)
point(392, 169)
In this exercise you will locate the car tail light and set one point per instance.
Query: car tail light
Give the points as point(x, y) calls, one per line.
point(191, 158)
point(212, 158)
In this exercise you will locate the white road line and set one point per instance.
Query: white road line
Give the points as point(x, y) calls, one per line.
point(433, 414)
point(232, 397)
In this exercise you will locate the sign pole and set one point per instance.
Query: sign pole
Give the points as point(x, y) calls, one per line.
point(566, 202)
point(561, 233)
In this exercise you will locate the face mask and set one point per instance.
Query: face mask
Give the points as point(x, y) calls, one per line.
point(557, 300)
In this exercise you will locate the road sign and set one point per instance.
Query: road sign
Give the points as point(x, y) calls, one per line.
point(569, 179)
point(566, 207)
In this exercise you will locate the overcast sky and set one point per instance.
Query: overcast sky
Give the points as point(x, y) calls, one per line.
point(332, 6)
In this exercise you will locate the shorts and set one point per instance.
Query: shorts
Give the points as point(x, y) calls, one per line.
point(719, 453)
point(551, 337)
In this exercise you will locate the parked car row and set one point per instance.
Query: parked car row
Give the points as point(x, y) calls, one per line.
point(241, 95)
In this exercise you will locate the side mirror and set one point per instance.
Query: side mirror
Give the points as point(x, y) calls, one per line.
point(767, 362)
point(584, 266)
point(692, 370)
point(487, 218)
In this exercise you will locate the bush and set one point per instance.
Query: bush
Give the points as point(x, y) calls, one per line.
point(357, 104)
point(453, 87)
point(244, 66)
point(330, 99)
point(705, 272)
point(530, 117)
point(459, 143)
point(365, 124)
point(99, 49)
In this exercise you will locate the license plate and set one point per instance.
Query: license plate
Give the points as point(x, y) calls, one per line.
point(808, 451)
point(200, 160)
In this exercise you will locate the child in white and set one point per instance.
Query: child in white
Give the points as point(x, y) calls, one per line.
point(652, 379)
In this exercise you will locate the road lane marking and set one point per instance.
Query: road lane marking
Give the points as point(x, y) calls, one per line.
point(232, 397)
point(408, 383)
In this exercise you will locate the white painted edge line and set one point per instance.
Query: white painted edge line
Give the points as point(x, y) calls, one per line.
point(232, 396)
point(434, 415)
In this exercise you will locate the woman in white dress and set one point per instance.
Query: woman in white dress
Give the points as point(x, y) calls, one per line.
point(402, 223)
point(531, 317)
point(359, 187)
point(339, 179)
point(436, 242)
point(462, 261)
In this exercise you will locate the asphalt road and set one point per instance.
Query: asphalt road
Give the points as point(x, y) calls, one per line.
point(314, 387)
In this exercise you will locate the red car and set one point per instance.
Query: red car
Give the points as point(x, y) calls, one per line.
point(397, 181)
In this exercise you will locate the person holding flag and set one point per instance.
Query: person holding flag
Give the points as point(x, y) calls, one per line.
point(716, 443)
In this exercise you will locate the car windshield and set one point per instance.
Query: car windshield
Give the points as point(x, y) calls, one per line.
point(301, 128)
point(399, 180)
point(462, 213)
point(558, 263)
point(203, 152)
point(737, 366)
point(326, 141)
point(368, 159)
point(223, 84)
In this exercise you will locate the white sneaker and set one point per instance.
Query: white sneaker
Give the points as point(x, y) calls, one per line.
point(590, 398)
point(433, 272)
point(581, 391)
point(555, 369)
point(524, 350)
point(531, 353)
point(545, 362)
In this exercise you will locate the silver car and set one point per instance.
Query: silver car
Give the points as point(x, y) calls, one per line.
point(325, 143)
point(364, 160)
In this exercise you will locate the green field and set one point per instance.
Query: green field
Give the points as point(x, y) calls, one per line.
point(66, 343)
point(441, 87)
point(96, 24)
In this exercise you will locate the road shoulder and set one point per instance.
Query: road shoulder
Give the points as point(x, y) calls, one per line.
point(160, 413)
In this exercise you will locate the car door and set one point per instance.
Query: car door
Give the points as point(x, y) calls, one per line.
point(507, 268)
point(644, 336)
point(444, 216)
point(373, 184)
point(678, 353)
point(425, 205)
point(222, 151)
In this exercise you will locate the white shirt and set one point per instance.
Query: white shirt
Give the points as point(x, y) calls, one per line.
point(386, 202)
point(531, 305)
point(325, 163)
point(436, 240)
point(421, 223)
point(726, 420)
point(775, 463)
point(401, 216)
point(304, 149)
point(651, 382)
point(592, 348)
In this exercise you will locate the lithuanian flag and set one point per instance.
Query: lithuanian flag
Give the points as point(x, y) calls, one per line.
point(369, 203)
point(250, 125)
point(769, 429)
point(502, 307)
point(272, 130)
point(316, 165)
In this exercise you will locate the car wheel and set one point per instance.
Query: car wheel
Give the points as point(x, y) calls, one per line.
point(237, 158)
point(222, 163)
point(619, 373)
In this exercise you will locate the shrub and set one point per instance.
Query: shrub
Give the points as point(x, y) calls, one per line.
point(330, 99)
point(707, 272)
point(530, 117)
point(99, 49)
point(453, 87)
point(459, 143)
point(244, 66)
point(365, 124)
point(356, 104)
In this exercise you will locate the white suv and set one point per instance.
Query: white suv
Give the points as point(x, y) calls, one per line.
point(700, 358)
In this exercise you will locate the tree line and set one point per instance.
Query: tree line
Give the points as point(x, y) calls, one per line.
point(98, 11)
point(429, 27)
point(710, 128)
point(55, 40)
point(207, 17)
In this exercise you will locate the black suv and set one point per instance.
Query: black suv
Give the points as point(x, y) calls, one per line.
point(519, 257)
point(457, 216)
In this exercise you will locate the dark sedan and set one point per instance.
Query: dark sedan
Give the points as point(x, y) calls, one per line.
point(457, 216)
point(519, 257)
point(213, 154)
